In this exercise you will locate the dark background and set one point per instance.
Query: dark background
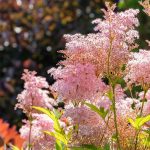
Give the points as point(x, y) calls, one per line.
point(31, 33)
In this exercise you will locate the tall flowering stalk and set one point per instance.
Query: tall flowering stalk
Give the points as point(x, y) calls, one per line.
point(138, 73)
point(34, 94)
point(99, 55)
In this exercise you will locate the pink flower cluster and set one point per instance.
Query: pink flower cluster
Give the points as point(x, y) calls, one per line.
point(39, 140)
point(89, 124)
point(83, 116)
point(77, 82)
point(123, 103)
point(138, 70)
point(118, 32)
point(88, 58)
point(35, 93)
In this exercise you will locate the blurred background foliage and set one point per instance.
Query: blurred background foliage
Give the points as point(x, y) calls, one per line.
point(31, 33)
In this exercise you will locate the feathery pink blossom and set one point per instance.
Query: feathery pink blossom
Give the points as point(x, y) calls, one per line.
point(90, 125)
point(105, 102)
point(147, 95)
point(83, 116)
point(118, 30)
point(116, 35)
point(138, 70)
point(35, 93)
point(85, 49)
point(77, 83)
point(146, 109)
point(39, 139)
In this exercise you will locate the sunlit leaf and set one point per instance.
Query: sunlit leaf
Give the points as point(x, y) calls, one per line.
point(51, 115)
point(58, 136)
point(139, 122)
point(100, 111)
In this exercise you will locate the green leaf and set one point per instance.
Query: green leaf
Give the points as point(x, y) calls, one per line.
point(57, 113)
point(14, 147)
point(59, 145)
point(57, 136)
point(146, 142)
point(106, 147)
point(131, 121)
point(128, 3)
point(147, 131)
point(45, 111)
point(110, 95)
point(139, 122)
point(114, 137)
point(86, 147)
point(100, 111)
point(51, 115)
point(121, 4)
point(144, 139)
point(144, 120)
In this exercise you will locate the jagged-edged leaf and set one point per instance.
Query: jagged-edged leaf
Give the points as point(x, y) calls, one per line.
point(139, 122)
point(14, 147)
point(57, 136)
point(100, 111)
point(51, 115)
point(144, 120)
point(59, 145)
point(132, 122)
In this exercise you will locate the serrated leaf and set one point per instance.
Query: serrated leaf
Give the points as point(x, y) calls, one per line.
point(14, 147)
point(59, 145)
point(139, 122)
point(57, 136)
point(45, 111)
point(144, 120)
point(131, 121)
point(100, 111)
point(51, 115)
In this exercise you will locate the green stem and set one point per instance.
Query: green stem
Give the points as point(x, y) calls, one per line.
point(115, 117)
point(30, 146)
point(141, 112)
